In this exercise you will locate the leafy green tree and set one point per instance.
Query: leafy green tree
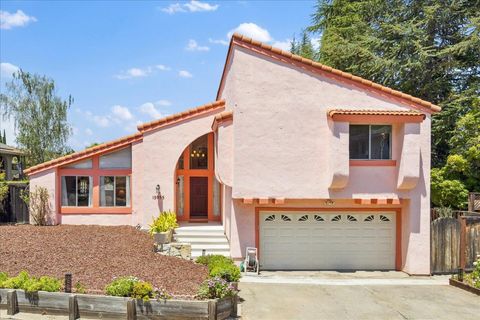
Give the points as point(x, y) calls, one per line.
point(39, 115)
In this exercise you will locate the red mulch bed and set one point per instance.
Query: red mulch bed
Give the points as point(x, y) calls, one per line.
point(95, 255)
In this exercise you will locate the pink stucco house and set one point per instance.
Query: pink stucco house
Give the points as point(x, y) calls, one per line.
point(317, 168)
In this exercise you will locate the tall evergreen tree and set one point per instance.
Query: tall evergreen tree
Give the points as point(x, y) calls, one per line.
point(427, 48)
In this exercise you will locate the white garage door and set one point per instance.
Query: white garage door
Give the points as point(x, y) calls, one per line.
point(327, 240)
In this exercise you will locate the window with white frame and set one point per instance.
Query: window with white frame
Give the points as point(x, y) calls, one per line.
point(370, 142)
point(114, 191)
point(76, 191)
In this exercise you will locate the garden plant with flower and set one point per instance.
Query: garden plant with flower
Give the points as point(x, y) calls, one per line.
point(216, 288)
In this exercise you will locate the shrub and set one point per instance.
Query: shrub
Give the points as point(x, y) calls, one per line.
point(476, 273)
point(220, 266)
point(39, 205)
point(228, 272)
point(3, 277)
point(121, 287)
point(80, 288)
point(142, 290)
point(44, 283)
point(30, 284)
point(444, 212)
point(17, 282)
point(166, 221)
point(216, 288)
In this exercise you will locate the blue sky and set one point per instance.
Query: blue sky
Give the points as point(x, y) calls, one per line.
point(129, 62)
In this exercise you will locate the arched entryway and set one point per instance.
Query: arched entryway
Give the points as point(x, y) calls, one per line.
point(197, 191)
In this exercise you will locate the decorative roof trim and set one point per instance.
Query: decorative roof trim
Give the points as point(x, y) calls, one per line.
point(368, 116)
point(221, 117)
point(181, 116)
point(80, 155)
point(287, 57)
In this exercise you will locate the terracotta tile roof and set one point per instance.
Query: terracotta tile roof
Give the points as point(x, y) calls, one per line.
point(77, 156)
point(333, 112)
point(222, 116)
point(181, 116)
point(238, 39)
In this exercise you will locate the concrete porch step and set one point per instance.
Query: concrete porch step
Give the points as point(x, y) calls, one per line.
point(196, 234)
point(202, 240)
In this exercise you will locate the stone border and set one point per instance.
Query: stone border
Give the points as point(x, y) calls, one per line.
point(77, 306)
point(464, 286)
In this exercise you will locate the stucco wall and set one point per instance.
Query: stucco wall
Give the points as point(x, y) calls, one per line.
point(138, 160)
point(162, 148)
point(98, 219)
point(285, 147)
point(224, 153)
point(47, 179)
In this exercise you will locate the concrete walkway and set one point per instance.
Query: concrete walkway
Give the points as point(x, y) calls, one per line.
point(336, 278)
point(354, 295)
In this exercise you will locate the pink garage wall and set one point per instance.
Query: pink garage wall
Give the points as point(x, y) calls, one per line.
point(286, 147)
point(161, 150)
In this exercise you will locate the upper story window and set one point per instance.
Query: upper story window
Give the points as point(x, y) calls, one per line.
point(76, 191)
point(86, 164)
point(199, 153)
point(117, 160)
point(370, 142)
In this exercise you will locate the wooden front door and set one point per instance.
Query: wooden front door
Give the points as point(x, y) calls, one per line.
point(199, 197)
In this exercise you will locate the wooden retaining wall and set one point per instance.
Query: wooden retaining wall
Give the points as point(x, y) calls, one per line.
point(78, 306)
point(454, 243)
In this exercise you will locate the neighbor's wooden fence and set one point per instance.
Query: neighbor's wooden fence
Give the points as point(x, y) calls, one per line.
point(14, 209)
point(455, 243)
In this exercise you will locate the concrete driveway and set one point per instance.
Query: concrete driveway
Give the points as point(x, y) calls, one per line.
point(396, 297)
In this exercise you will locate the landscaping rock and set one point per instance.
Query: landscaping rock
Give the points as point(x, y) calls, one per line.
point(95, 255)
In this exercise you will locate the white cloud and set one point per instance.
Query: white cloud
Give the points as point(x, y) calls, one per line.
point(150, 109)
point(7, 70)
point(252, 30)
point(88, 131)
point(220, 41)
point(163, 103)
point(192, 6)
point(101, 121)
point(284, 45)
point(121, 113)
point(193, 46)
point(185, 74)
point(162, 67)
point(140, 72)
point(11, 20)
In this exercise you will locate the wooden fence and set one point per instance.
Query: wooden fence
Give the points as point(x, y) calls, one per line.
point(14, 209)
point(455, 243)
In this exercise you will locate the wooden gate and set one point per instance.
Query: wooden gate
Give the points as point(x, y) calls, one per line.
point(454, 243)
point(445, 245)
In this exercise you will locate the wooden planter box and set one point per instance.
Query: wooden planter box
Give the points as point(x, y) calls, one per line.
point(78, 306)
point(464, 286)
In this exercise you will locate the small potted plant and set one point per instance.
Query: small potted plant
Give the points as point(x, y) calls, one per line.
point(162, 227)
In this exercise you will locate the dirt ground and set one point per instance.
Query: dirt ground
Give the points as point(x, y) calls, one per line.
point(94, 255)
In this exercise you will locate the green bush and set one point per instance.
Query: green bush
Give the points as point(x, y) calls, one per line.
point(166, 221)
point(80, 288)
point(220, 266)
point(228, 272)
point(3, 277)
point(17, 282)
point(121, 287)
point(30, 284)
point(44, 283)
point(142, 290)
